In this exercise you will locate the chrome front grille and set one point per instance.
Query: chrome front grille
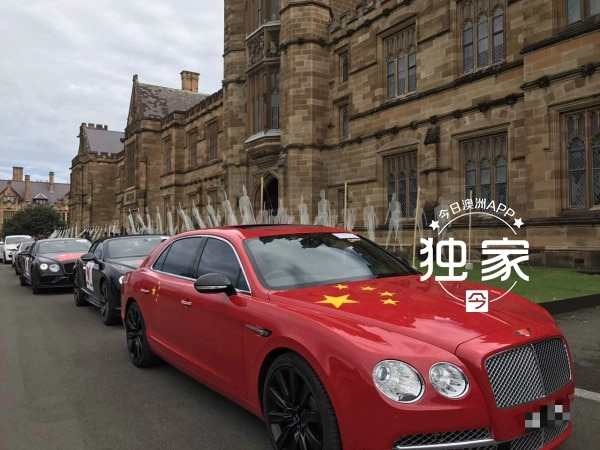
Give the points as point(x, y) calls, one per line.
point(539, 438)
point(68, 268)
point(529, 372)
point(451, 438)
point(479, 439)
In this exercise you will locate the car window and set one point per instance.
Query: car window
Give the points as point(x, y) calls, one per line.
point(302, 260)
point(132, 247)
point(219, 257)
point(16, 239)
point(180, 257)
point(63, 245)
point(97, 251)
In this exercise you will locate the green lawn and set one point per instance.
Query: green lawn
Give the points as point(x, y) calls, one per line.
point(545, 283)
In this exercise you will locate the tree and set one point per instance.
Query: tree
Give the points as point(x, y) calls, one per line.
point(35, 221)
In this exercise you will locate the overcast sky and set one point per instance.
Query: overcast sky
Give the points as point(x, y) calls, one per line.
point(66, 62)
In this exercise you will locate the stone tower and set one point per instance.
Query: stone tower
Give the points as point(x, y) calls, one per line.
point(233, 124)
point(305, 67)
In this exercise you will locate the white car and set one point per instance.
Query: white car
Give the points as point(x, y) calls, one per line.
point(10, 244)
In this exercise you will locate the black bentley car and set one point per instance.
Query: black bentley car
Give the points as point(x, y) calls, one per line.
point(98, 272)
point(49, 262)
point(17, 257)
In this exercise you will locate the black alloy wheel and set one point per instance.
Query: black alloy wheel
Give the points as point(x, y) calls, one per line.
point(137, 342)
point(297, 409)
point(78, 294)
point(35, 282)
point(107, 305)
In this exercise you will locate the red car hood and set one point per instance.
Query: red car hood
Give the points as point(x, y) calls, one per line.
point(419, 309)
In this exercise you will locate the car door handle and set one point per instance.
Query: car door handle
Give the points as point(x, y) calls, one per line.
point(186, 303)
point(145, 291)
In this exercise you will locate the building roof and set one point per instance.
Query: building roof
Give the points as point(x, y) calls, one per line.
point(38, 189)
point(103, 140)
point(158, 101)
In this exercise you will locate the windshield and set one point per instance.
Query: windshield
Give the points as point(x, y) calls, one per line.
point(63, 245)
point(132, 247)
point(302, 260)
point(17, 239)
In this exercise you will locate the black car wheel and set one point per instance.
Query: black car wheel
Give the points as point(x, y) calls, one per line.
point(137, 343)
point(22, 280)
point(107, 305)
point(35, 282)
point(297, 409)
point(78, 295)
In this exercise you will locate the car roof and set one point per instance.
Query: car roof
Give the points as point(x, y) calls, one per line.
point(61, 239)
point(260, 230)
point(129, 236)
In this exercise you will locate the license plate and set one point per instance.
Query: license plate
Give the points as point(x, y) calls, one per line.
point(548, 416)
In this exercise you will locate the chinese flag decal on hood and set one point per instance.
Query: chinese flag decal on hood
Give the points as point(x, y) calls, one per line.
point(68, 256)
point(363, 293)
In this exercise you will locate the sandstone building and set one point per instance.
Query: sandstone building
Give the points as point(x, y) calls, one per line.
point(491, 101)
point(20, 192)
point(94, 173)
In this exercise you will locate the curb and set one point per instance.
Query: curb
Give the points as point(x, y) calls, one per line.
point(571, 304)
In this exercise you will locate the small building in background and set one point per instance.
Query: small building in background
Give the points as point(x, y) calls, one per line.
point(20, 192)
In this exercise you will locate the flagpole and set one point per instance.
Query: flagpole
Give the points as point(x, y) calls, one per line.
point(415, 228)
point(469, 265)
point(262, 188)
point(346, 206)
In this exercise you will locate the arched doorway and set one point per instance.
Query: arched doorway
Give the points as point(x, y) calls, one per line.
point(270, 197)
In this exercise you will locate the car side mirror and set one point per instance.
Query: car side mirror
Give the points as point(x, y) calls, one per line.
point(212, 283)
point(87, 257)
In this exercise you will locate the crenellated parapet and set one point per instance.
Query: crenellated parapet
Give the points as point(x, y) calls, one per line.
point(105, 155)
point(205, 106)
point(362, 15)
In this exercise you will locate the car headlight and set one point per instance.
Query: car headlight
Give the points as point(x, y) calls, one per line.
point(121, 279)
point(52, 267)
point(398, 381)
point(448, 380)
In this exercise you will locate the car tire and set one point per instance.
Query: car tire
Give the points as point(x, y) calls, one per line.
point(137, 342)
point(35, 283)
point(107, 305)
point(22, 280)
point(4, 259)
point(297, 410)
point(78, 294)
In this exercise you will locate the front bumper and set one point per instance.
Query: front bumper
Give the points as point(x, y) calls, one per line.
point(547, 434)
point(485, 419)
point(57, 281)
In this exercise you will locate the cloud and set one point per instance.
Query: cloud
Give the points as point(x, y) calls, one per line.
point(64, 63)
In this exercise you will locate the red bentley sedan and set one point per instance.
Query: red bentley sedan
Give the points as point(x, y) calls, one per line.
point(336, 343)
